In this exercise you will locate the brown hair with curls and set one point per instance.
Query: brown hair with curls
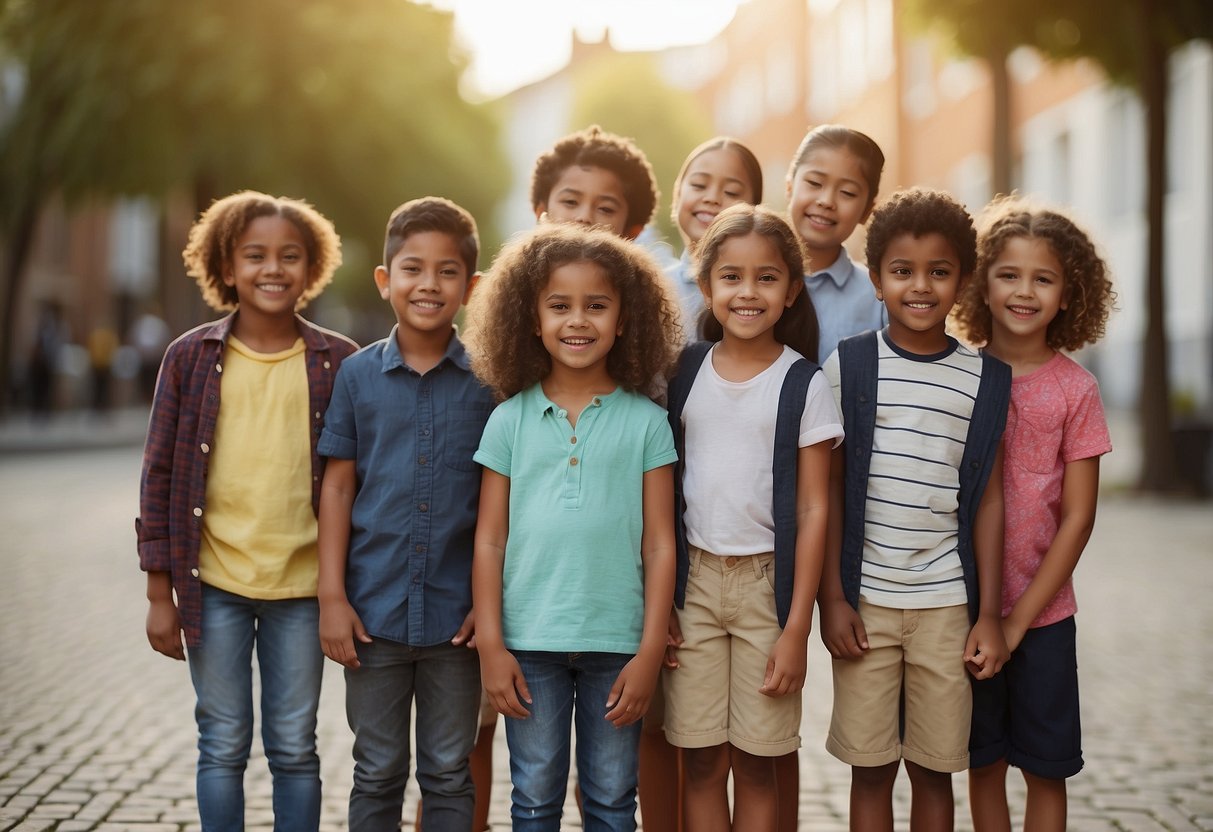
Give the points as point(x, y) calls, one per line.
point(212, 244)
point(503, 314)
point(1086, 287)
point(797, 326)
point(594, 147)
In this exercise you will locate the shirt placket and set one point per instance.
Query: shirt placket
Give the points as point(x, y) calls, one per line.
point(423, 490)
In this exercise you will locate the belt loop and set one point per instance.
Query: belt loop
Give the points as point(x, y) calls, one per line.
point(757, 561)
point(696, 559)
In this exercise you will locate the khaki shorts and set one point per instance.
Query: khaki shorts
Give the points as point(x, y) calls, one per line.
point(729, 628)
point(922, 650)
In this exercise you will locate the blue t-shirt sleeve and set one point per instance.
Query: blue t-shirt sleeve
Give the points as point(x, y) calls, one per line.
point(496, 449)
point(658, 441)
point(339, 439)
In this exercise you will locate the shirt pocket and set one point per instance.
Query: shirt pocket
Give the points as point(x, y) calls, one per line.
point(463, 429)
point(1037, 438)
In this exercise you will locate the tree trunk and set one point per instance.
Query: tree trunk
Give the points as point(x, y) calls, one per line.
point(1000, 83)
point(19, 241)
point(1158, 463)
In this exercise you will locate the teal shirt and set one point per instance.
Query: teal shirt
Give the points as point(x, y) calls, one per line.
point(573, 580)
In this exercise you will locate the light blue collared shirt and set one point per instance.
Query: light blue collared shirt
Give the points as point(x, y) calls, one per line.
point(690, 298)
point(845, 302)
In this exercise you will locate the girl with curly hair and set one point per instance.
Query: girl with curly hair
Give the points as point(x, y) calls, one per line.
point(573, 572)
point(229, 498)
point(1040, 288)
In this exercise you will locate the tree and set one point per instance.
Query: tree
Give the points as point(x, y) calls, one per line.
point(353, 106)
point(1132, 42)
point(625, 94)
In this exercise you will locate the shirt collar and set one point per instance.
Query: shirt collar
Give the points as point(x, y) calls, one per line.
point(455, 353)
point(838, 271)
point(542, 405)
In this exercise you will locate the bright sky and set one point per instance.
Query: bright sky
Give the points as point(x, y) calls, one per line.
point(515, 42)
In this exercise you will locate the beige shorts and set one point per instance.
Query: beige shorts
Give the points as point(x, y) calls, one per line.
point(729, 628)
point(921, 651)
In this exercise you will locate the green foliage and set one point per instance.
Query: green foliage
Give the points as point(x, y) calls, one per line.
point(625, 94)
point(353, 106)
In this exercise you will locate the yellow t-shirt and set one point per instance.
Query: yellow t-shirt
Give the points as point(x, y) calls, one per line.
point(258, 530)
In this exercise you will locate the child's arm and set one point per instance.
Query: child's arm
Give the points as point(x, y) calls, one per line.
point(629, 698)
point(842, 629)
point(1079, 493)
point(788, 661)
point(986, 648)
point(500, 673)
point(339, 623)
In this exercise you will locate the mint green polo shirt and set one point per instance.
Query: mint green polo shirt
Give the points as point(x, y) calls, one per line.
point(573, 580)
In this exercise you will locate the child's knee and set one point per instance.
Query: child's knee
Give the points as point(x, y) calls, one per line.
point(752, 771)
point(874, 778)
point(926, 779)
point(703, 765)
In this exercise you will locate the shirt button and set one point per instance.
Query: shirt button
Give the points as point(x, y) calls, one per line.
point(206, 449)
point(327, 365)
point(560, 414)
point(597, 401)
point(423, 507)
point(317, 414)
point(421, 460)
point(425, 431)
point(419, 548)
point(573, 440)
point(218, 368)
point(573, 460)
point(197, 511)
point(194, 572)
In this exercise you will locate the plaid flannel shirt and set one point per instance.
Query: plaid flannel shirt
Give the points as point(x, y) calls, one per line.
point(180, 435)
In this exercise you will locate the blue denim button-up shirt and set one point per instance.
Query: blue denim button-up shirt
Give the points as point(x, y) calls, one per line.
point(412, 437)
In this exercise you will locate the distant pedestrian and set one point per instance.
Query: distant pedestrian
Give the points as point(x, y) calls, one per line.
point(229, 496)
point(49, 337)
point(149, 335)
point(574, 566)
point(1041, 288)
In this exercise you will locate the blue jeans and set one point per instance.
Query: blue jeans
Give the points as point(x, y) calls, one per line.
point(285, 634)
point(445, 681)
point(539, 744)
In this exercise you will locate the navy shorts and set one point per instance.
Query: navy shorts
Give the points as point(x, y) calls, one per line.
point(1028, 713)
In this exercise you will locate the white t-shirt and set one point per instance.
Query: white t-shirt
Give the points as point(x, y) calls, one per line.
point(729, 430)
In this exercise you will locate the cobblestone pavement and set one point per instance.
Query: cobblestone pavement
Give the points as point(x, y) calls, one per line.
point(96, 731)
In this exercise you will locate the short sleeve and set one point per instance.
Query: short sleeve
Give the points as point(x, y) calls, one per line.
point(659, 441)
point(496, 449)
point(820, 420)
point(831, 370)
point(1086, 429)
point(339, 439)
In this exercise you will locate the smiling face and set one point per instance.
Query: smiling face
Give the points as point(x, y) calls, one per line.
point(426, 281)
point(269, 267)
point(1025, 290)
point(828, 196)
point(713, 181)
point(579, 318)
point(588, 195)
point(749, 287)
point(918, 279)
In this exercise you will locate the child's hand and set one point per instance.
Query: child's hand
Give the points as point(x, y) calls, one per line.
point(786, 666)
point(504, 683)
point(339, 626)
point(673, 640)
point(986, 648)
point(629, 698)
point(164, 629)
point(1012, 633)
point(467, 632)
point(842, 630)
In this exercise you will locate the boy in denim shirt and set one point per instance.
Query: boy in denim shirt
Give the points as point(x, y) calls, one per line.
point(397, 516)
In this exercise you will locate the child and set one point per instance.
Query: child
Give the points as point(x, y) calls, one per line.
point(574, 568)
point(397, 517)
point(832, 186)
point(911, 589)
point(229, 495)
point(755, 423)
point(1042, 288)
point(595, 178)
point(718, 173)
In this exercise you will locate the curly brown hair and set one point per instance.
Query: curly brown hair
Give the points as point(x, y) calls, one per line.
point(920, 211)
point(1087, 287)
point(504, 311)
point(595, 147)
point(212, 242)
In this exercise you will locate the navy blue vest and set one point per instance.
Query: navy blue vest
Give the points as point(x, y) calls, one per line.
point(857, 369)
point(783, 469)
